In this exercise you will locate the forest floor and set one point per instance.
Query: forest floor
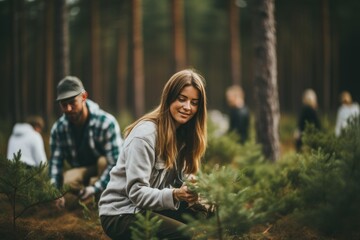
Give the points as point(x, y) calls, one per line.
point(48, 222)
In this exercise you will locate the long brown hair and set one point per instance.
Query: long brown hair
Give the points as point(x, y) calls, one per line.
point(191, 136)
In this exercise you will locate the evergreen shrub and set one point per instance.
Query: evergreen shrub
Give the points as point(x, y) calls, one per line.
point(24, 187)
point(328, 180)
point(318, 187)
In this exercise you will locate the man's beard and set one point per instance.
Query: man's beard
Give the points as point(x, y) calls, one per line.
point(75, 117)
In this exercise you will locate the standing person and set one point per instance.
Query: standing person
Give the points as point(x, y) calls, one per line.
point(87, 137)
point(161, 149)
point(308, 115)
point(27, 138)
point(239, 113)
point(346, 111)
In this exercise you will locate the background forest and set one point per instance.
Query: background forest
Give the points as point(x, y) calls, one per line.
point(40, 41)
point(125, 50)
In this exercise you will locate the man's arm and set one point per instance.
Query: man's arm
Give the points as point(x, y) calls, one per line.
point(112, 145)
point(56, 159)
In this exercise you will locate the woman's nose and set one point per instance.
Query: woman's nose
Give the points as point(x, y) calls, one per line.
point(187, 105)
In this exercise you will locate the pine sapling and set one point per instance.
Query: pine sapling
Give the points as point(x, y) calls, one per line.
point(145, 227)
point(25, 187)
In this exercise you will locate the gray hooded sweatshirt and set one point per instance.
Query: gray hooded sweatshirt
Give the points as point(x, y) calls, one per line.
point(139, 180)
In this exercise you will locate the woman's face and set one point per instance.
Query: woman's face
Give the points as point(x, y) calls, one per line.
point(185, 106)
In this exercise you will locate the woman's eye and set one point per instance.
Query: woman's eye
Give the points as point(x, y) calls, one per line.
point(194, 103)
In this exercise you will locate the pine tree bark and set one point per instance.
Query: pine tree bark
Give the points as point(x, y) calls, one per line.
point(138, 58)
point(49, 61)
point(122, 64)
point(326, 54)
point(61, 40)
point(96, 86)
point(235, 50)
point(24, 66)
point(15, 62)
point(178, 34)
point(265, 78)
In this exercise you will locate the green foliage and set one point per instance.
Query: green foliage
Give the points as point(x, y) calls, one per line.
point(328, 180)
point(24, 187)
point(287, 126)
point(231, 186)
point(5, 131)
point(228, 182)
point(222, 149)
point(124, 119)
point(224, 189)
point(320, 187)
point(145, 227)
point(90, 211)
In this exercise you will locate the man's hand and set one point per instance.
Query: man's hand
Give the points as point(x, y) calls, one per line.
point(60, 203)
point(86, 192)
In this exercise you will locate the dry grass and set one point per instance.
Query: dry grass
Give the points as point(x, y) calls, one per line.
point(48, 222)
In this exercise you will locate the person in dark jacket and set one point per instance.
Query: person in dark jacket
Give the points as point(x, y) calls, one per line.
point(239, 114)
point(308, 115)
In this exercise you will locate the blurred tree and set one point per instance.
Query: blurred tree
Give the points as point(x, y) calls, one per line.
point(138, 58)
point(49, 59)
point(179, 44)
point(23, 60)
point(15, 98)
point(267, 108)
point(326, 54)
point(235, 49)
point(62, 60)
point(122, 62)
point(95, 52)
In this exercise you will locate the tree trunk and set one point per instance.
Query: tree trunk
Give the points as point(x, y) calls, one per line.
point(24, 66)
point(138, 57)
point(235, 56)
point(265, 74)
point(15, 99)
point(49, 61)
point(61, 41)
point(95, 52)
point(179, 34)
point(122, 65)
point(326, 55)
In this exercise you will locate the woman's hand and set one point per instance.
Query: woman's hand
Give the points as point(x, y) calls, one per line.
point(184, 194)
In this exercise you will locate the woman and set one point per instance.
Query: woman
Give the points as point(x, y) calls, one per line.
point(308, 115)
point(161, 149)
point(346, 111)
point(239, 113)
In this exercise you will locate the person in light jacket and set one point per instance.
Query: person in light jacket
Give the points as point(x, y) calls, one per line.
point(26, 137)
point(346, 111)
point(160, 150)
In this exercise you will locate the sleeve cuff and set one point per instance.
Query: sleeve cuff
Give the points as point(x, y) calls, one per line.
point(169, 199)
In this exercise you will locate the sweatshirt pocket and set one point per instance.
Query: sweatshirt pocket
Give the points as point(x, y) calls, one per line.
point(158, 174)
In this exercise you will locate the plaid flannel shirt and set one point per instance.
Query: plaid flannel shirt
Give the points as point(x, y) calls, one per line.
point(105, 141)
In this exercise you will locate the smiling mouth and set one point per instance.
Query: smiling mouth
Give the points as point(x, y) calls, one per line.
point(185, 114)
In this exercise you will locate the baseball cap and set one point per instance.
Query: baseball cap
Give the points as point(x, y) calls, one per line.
point(68, 87)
